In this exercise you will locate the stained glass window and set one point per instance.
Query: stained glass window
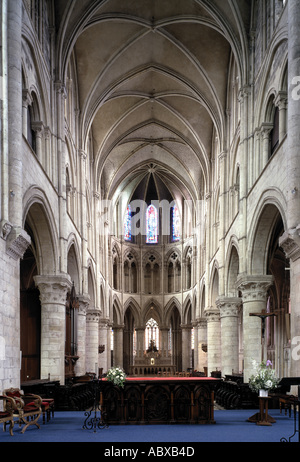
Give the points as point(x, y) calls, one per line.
point(152, 225)
point(175, 224)
point(127, 224)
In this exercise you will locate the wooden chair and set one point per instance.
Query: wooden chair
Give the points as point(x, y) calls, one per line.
point(26, 408)
point(286, 402)
point(47, 408)
point(7, 416)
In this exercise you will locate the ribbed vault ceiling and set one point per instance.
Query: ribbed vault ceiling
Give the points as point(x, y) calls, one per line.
point(152, 78)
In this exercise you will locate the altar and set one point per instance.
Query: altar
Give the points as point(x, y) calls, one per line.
point(159, 400)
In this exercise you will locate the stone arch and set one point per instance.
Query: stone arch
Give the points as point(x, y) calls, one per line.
point(132, 304)
point(169, 307)
point(73, 262)
point(202, 298)
point(232, 267)
point(92, 284)
point(116, 267)
point(117, 312)
point(187, 311)
point(131, 321)
point(39, 222)
point(268, 209)
point(214, 285)
point(152, 310)
point(264, 92)
point(103, 305)
point(173, 321)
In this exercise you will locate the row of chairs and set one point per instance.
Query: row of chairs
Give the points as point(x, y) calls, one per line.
point(25, 409)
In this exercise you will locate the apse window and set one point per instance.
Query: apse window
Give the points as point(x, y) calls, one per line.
point(151, 225)
point(127, 224)
point(175, 224)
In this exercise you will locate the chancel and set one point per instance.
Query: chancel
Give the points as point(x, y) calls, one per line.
point(149, 213)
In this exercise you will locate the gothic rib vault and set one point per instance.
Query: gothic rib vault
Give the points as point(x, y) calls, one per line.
point(193, 96)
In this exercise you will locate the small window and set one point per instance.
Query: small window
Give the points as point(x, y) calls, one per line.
point(127, 225)
point(274, 137)
point(175, 224)
point(152, 225)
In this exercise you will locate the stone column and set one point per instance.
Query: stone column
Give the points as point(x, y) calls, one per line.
point(26, 101)
point(293, 139)
point(201, 346)
point(290, 242)
point(265, 133)
point(15, 128)
point(92, 334)
point(80, 367)
point(104, 331)
point(281, 103)
point(140, 339)
point(38, 129)
point(229, 334)
point(254, 297)
point(163, 347)
point(61, 173)
point(186, 347)
point(53, 294)
point(118, 346)
point(213, 340)
point(244, 167)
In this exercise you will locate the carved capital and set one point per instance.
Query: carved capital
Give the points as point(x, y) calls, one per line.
point(84, 303)
point(229, 307)
point(290, 242)
point(254, 288)
point(53, 289)
point(212, 315)
point(17, 241)
point(93, 315)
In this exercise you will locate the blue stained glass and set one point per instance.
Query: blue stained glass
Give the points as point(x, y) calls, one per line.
point(127, 224)
point(175, 224)
point(152, 225)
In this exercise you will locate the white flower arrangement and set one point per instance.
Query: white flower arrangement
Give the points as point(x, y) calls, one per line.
point(117, 376)
point(264, 378)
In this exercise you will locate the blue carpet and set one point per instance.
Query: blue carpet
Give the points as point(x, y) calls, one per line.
point(231, 426)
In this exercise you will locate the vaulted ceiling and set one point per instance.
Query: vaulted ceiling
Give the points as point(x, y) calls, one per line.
point(152, 78)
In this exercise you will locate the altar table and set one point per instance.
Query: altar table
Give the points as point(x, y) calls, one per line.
point(159, 400)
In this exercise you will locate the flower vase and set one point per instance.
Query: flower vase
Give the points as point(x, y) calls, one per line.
point(263, 393)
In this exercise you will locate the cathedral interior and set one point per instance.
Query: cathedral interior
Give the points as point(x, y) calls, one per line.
point(150, 186)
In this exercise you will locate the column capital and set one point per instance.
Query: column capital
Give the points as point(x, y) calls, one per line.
point(17, 240)
point(84, 302)
point(93, 315)
point(265, 129)
point(229, 306)
point(212, 314)
point(290, 242)
point(281, 100)
point(254, 287)
point(53, 288)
